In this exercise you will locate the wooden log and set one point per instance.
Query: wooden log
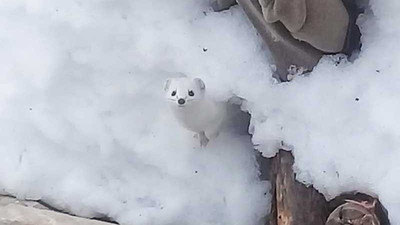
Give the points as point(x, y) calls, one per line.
point(293, 203)
point(348, 206)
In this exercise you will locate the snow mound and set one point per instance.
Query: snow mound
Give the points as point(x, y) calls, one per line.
point(85, 125)
point(341, 119)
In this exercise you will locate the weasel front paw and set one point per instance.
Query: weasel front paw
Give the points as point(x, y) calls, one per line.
point(203, 139)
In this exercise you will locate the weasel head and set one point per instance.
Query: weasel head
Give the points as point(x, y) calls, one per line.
point(184, 91)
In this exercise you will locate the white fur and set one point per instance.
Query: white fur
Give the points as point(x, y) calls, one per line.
point(199, 113)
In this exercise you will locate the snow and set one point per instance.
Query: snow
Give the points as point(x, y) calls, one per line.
point(341, 120)
point(86, 128)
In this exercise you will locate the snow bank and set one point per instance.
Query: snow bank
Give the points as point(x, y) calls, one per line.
point(84, 122)
point(341, 119)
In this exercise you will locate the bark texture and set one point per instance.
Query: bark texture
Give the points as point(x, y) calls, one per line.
point(293, 203)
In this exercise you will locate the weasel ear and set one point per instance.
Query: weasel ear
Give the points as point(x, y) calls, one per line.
point(167, 84)
point(200, 83)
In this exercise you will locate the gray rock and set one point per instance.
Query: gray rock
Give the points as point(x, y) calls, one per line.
point(16, 212)
point(6, 200)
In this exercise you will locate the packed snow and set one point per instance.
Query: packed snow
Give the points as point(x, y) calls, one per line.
point(86, 128)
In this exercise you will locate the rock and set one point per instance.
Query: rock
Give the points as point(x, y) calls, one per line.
point(7, 200)
point(16, 212)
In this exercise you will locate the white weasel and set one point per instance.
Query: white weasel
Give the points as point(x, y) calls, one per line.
point(193, 109)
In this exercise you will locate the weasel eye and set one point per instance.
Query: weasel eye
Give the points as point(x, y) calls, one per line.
point(191, 93)
point(173, 93)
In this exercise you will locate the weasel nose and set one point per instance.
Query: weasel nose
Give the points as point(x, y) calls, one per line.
point(181, 101)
